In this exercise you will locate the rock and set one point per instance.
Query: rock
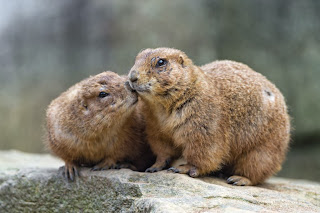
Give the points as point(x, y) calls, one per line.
point(32, 182)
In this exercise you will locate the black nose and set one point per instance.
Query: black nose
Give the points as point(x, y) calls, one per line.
point(133, 76)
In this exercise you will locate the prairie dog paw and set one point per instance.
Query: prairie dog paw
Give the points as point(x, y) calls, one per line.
point(185, 169)
point(153, 169)
point(239, 181)
point(70, 171)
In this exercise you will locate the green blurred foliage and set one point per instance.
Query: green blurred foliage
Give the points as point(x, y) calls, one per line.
point(47, 46)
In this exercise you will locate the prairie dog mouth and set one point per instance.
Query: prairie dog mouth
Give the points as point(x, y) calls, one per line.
point(128, 85)
point(134, 88)
point(132, 93)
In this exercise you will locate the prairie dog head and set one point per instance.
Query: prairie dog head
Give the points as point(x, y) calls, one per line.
point(104, 99)
point(156, 71)
point(96, 105)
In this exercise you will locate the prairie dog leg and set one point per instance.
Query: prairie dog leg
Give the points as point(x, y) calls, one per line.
point(254, 167)
point(165, 153)
point(161, 163)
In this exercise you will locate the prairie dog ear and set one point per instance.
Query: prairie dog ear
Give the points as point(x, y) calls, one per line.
point(184, 60)
point(180, 59)
point(90, 90)
point(82, 100)
point(84, 103)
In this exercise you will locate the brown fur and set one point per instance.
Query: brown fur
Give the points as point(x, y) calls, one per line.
point(104, 132)
point(220, 116)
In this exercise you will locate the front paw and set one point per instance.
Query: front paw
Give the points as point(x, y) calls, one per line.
point(125, 165)
point(174, 170)
point(153, 169)
point(104, 165)
point(160, 164)
point(239, 181)
point(70, 171)
point(100, 168)
point(185, 169)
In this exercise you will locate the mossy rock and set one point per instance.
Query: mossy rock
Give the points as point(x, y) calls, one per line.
point(38, 188)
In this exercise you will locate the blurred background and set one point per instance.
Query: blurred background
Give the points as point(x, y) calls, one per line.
point(46, 46)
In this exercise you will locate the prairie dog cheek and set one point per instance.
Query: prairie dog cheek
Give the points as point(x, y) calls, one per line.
point(144, 80)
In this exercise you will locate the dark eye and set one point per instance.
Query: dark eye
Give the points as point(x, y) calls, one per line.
point(103, 94)
point(161, 62)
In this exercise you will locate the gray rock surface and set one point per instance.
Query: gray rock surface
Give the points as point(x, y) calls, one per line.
point(33, 183)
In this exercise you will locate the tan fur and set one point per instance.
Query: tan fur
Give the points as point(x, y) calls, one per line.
point(108, 132)
point(222, 116)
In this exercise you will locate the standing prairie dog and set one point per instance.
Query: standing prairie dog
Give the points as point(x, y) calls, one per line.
point(222, 116)
point(97, 123)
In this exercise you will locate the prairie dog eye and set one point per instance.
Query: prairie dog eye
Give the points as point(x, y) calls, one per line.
point(103, 94)
point(161, 62)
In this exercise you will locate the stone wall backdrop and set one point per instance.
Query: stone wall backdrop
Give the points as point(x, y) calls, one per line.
point(47, 46)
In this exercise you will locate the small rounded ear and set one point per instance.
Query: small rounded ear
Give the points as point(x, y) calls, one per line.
point(180, 59)
point(90, 90)
point(84, 104)
point(184, 60)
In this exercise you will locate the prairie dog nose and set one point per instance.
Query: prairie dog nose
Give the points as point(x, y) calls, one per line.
point(133, 76)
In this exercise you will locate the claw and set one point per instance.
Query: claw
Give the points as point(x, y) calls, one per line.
point(230, 180)
point(70, 172)
point(95, 168)
point(173, 169)
point(76, 172)
point(71, 176)
point(152, 169)
point(65, 173)
point(239, 181)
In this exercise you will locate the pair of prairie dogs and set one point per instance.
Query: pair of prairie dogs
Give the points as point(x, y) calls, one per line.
point(220, 117)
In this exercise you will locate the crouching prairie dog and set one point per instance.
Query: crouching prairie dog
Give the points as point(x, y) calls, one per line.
point(97, 123)
point(222, 116)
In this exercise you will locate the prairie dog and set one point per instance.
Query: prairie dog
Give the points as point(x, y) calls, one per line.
point(97, 123)
point(222, 116)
